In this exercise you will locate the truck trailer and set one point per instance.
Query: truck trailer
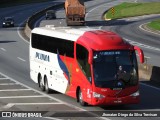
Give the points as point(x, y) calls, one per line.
point(75, 12)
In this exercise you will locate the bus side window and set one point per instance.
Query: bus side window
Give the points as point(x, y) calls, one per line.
point(52, 44)
point(82, 58)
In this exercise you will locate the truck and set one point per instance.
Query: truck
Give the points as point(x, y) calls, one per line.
point(75, 12)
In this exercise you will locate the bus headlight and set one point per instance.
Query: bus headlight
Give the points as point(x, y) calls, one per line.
point(3, 23)
point(96, 95)
point(135, 94)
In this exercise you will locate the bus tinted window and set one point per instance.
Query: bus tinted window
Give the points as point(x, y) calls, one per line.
point(82, 57)
point(54, 45)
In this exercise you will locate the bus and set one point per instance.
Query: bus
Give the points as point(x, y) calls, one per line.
point(96, 67)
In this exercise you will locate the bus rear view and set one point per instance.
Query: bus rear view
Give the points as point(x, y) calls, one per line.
point(96, 67)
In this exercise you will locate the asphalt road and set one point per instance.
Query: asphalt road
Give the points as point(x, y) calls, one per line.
point(131, 30)
point(14, 66)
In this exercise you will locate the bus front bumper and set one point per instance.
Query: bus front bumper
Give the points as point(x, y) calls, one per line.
point(116, 101)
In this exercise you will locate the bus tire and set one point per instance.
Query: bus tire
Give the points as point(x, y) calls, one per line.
point(80, 97)
point(38, 78)
point(40, 81)
point(47, 89)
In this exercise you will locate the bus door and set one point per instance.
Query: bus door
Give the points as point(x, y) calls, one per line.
point(82, 55)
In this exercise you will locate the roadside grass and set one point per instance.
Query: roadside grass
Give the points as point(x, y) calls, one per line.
point(133, 9)
point(154, 25)
point(10, 3)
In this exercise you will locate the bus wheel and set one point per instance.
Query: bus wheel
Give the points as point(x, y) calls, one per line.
point(46, 85)
point(80, 97)
point(41, 83)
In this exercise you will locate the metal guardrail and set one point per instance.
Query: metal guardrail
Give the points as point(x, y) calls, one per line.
point(31, 20)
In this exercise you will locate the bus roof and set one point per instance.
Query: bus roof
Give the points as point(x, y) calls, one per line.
point(93, 38)
point(103, 40)
point(60, 32)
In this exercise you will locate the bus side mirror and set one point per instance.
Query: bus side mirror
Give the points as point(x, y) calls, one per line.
point(90, 57)
point(140, 53)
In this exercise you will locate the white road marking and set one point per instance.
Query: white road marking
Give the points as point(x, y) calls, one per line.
point(33, 96)
point(18, 31)
point(43, 95)
point(51, 118)
point(140, 27)
point(46, 95)
point(3, 49)
point(21, 59)
point(9, 84)
point(104, 118)
point(98, 7)
point(49, 113)
point(150, 86)
point(36, 103)
point(141, 17)
point(133, 18)
point(7, 106)
point(108, 4)
point(142, 45)
point(145, 56)
point(3, 78)
point(38, 21)
point(132, 42)
point(14, 90)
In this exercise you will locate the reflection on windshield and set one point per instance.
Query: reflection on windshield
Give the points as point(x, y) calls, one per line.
point(112, 66)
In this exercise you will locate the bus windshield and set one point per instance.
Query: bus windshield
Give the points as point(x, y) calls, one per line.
point(114, 69)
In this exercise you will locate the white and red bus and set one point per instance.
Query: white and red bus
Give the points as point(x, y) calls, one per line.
point(96, 67)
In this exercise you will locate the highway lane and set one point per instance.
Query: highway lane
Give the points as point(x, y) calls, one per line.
point(93, 19)
point(136, 35)
point(13, 50)
point(146, 0)
point(14, 64)
point(130, 29)
point(22, 12)
point(19, 70)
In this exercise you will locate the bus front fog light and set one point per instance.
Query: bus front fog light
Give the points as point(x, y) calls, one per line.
point(135, 94)
point(96, 95)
